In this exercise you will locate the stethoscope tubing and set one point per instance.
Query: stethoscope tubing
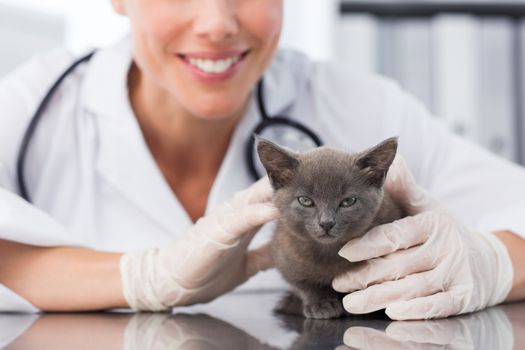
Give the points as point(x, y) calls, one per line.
point(30, 131)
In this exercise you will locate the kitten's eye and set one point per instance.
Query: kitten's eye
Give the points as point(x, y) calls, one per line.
point(305, 201)
point(348, 202)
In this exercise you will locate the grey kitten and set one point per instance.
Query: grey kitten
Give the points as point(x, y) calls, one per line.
point(326, 197)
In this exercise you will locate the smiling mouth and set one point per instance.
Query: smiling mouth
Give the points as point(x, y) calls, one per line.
point(214, 66)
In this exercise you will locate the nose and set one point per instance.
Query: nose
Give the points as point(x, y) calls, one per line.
point(327, 225)
point(216, 20)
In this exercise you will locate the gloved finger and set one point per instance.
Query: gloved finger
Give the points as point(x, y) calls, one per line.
point(368, 338)
point(195, 256)
point(342, 347)
point(379, 296)
point(230, 226)
point(261, 191)
point(259, 259)
point(388, 238)
point(391, 267)
point(438, 305)
point(198, 254)
point(192, 259)
point(402, 186)
point(441, 332)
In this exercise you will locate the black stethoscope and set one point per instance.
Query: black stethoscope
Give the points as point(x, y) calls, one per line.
point(302, 137)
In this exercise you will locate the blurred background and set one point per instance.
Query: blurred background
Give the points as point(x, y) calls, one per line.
point(463, 59)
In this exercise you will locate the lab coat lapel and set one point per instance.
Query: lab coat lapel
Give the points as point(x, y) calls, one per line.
point(126, 164)
point(123, 160)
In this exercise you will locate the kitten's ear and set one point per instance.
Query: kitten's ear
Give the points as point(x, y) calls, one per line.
point(376, 161)
point(279, 163)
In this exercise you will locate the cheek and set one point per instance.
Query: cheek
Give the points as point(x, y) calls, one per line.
point(261, 19)
point(292, 213)
point(352, 216)
point(155, 24)
point(301, 218)
point(260, 23)
point(356, 218)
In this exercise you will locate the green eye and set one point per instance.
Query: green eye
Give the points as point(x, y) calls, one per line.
point(348, 202)
point(305, 201)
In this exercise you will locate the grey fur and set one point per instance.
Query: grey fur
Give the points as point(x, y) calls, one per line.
point(307, 239)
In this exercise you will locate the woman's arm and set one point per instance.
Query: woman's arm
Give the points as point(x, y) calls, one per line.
point(62, 279)
point(516, 248)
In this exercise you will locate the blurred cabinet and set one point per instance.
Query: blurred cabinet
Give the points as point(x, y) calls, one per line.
point(462, 59)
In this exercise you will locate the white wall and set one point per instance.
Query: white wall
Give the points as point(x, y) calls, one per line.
point(31, 26)
point(88, 22)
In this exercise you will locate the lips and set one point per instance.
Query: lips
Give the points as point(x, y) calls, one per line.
point(214, 55)
point(211, 67)
point(214, 63)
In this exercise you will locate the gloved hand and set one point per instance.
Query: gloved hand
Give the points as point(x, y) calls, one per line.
point(426, 265)
point(208, 260)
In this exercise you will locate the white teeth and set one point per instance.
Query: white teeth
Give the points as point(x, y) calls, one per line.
point(213, 66)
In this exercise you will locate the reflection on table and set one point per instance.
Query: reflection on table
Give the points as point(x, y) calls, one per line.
point(245, 321)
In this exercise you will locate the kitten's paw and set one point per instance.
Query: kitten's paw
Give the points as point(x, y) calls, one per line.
point(290, 304)
point(328, 308)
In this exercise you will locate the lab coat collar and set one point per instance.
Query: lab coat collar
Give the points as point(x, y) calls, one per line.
point(126, 164)
point(105, 87)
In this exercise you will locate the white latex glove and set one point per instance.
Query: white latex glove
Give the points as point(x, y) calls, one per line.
point(488, 329)
point(208, 260)
point(427, 265)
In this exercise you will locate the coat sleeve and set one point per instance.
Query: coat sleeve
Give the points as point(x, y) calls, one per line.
point(20, 93)
point(481, 189)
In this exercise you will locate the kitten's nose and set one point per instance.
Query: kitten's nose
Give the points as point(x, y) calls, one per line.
point(327, 225)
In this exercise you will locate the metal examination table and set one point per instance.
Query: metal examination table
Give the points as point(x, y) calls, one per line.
point(245, 321)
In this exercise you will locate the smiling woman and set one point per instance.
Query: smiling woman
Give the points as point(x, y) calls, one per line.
point(200, 58)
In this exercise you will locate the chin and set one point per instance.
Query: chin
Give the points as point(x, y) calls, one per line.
point(216, 110)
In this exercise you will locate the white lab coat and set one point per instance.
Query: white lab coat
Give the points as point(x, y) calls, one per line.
point(95, 183)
